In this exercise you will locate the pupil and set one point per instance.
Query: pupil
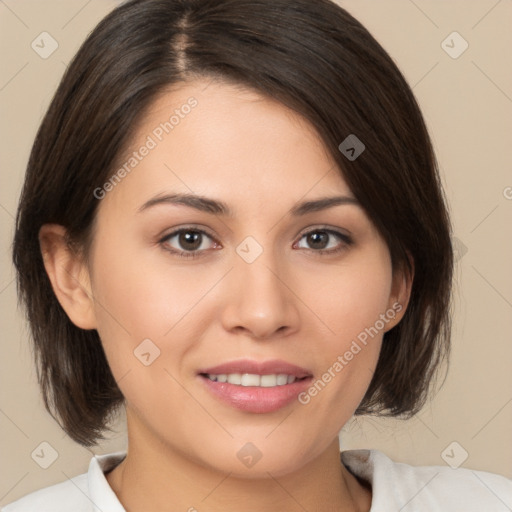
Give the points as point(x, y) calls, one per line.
point(316, 237)
point(190, 238)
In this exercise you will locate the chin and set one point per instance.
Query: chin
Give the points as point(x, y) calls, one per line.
point(247, 460)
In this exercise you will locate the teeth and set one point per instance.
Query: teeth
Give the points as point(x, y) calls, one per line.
point(235, 378)
point(252, 379)
point(282, 380)
point(268, 381)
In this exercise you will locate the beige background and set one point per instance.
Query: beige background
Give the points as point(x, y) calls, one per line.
point(467, 103)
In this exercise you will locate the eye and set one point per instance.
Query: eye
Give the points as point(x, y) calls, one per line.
point(328, 241)
point(190, 242)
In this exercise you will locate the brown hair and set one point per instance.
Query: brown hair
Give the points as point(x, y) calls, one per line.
point(310, 55)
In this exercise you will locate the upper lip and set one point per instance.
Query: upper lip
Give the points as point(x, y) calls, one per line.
point(274, 366)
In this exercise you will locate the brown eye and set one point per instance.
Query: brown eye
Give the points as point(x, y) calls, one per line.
point(186, 242)
point(190, 240)
point(318, 239)
point(326, 240)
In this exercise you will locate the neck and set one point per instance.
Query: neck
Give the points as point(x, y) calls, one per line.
point(158, 478)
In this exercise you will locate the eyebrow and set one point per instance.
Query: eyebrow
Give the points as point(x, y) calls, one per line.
point(216, 207)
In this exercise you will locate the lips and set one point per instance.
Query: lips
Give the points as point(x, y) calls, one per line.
point(253, 386)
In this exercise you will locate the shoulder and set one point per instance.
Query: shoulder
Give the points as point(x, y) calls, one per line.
point(87, 492)
point(432, 488)
point(62, 497)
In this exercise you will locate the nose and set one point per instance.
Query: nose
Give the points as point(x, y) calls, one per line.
point(261, 300)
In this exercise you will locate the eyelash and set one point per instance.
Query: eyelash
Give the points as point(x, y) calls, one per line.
point(196, 254)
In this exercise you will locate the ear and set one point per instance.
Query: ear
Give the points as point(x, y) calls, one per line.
point(68, 275)
point(400, 292)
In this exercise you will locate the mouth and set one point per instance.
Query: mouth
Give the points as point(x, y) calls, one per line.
point(256, 387)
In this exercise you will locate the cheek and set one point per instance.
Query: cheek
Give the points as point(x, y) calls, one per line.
point(142, 295)
point(130, 305)
point(351, 298)
point(147, 310)
point(350, 302)
point(141, 310)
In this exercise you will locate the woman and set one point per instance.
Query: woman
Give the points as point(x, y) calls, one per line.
point(232, 224)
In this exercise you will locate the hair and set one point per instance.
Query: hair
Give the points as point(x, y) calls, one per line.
point(313, 57)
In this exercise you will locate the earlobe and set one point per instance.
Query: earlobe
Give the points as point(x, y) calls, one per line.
point(401, 292)
point(68, 275)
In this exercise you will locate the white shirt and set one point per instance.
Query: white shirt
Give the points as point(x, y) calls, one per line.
point(396, 487)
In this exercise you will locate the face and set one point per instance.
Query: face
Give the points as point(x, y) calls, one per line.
point(189, 300)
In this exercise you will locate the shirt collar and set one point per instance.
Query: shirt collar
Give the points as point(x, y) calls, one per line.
point(378, 470)
point(104, 499)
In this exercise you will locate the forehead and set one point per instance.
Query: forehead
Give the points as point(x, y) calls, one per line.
point(227, 141)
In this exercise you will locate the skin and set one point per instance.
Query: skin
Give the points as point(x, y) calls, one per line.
point(291, 303)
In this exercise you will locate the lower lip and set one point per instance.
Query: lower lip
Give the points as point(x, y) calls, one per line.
point(254, 398)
